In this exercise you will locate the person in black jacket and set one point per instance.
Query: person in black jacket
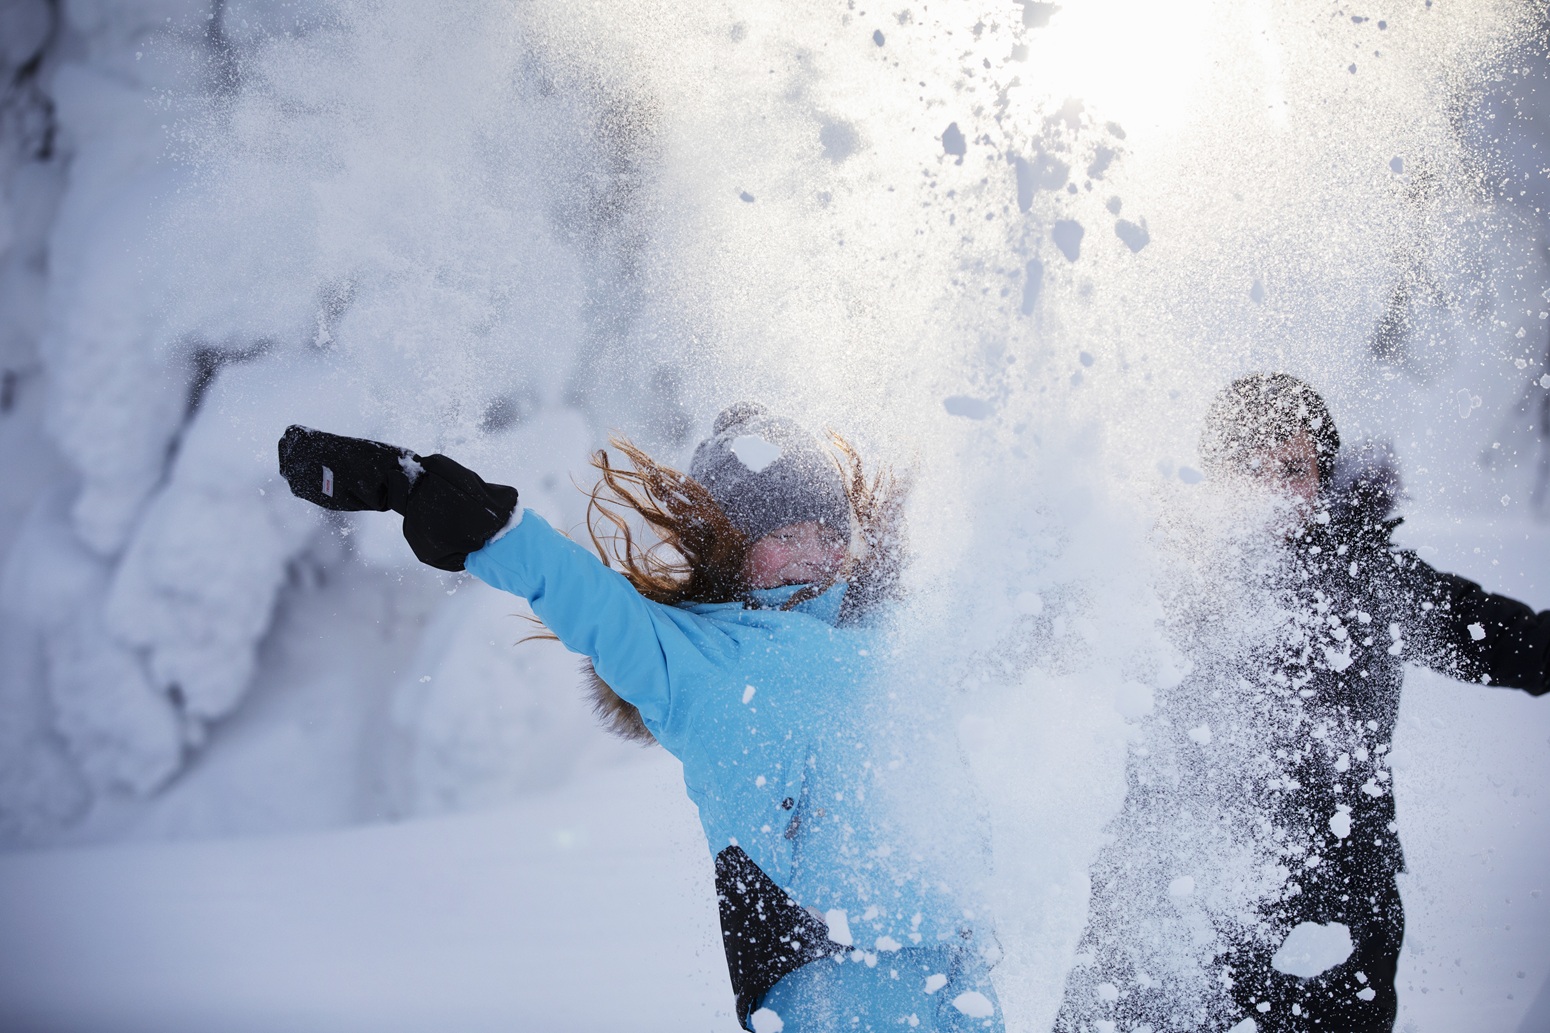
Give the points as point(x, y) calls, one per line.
point(1298, 793)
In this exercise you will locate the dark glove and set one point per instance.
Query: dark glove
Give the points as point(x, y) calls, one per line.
point(453, 512)
point(348, 474)
point(449, 511)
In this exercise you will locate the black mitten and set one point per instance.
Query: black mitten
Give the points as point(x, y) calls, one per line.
point(452, 512)
point(349, 474)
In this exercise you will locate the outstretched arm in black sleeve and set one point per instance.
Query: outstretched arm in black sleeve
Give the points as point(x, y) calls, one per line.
point(1472, 634)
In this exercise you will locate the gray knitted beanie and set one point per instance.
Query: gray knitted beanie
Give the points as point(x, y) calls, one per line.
point(767, 471)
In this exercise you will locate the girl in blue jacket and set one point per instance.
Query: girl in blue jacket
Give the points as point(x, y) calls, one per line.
point(745, 641)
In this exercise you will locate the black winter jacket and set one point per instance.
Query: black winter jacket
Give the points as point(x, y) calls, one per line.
point(1372, 608)
point(1259, 793)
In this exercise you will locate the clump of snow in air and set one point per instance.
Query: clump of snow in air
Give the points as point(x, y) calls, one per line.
point(766, 1020)
point(974, 1004)
point(503, 233)
point(754, 452)
point(967, 407)
point(839, 926)
point(1311, 948)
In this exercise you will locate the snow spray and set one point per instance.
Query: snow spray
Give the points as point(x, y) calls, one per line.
point(1011, 248)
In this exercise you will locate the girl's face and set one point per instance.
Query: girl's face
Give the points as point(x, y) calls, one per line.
point(796, 554)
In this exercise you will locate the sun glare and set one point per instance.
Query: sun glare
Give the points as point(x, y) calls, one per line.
point(1140, 63)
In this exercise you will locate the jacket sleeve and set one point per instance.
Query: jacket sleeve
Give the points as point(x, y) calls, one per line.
point(1470, 633)
point(644, 650)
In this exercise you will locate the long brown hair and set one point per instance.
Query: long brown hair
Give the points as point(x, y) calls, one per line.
point(697, 555)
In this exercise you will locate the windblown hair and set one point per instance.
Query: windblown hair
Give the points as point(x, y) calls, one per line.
point(695, 555)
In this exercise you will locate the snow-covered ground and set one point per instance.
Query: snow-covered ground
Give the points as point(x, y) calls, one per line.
point(585, 908)
point(259, 770)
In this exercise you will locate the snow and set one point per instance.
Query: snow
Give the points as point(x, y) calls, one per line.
point(765, 1020)
point(1311, 948)
point(967, 407)
point(1338, 659)
point(1135, 236)
point(754, 452)
point(1067, 235)
point(503, 234)
point(120, 733)
point(839, 926)
point(1135, 700)
point(974, 1004)
point(199, 576)
point(398, 927)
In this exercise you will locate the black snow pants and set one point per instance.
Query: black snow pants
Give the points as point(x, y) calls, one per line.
point(1356, 996)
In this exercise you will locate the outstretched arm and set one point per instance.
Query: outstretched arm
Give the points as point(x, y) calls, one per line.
point(454, 520)
point(1475, 635)
point(642, 649)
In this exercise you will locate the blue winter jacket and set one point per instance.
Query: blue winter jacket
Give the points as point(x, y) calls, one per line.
point(766, 709)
